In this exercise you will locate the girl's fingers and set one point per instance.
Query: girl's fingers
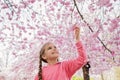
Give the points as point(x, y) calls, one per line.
point(77, 30)
point(77, 33)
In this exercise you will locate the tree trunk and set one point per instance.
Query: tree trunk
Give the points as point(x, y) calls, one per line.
point(85, 69)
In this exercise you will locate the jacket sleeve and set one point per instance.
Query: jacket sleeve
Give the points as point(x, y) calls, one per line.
point(36, 77)
point(72, 66)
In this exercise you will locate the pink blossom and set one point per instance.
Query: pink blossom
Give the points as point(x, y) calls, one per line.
point(111, 9)
point(23, 46)
point(96, 34)
point(33, 15)
point(80, 0)
point(67, 3)
point(23, 4)
point(4, 6)
point(9, 16)
point(105, 23)
point(58, 16)
point(1, 39)
point(51, 8)
point(2, 77)
point(31, 1)
point(113, 53)
point(91, 8)
point(55, 3)
point(98, 24)
point(71, 9)
point(104, 3)
point(0, 20)
point(58, 13)
point(45, 1)
point(44, 24)
point(114, 24)
point(60, 1)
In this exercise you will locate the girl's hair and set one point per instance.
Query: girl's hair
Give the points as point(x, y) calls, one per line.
point(42, 51)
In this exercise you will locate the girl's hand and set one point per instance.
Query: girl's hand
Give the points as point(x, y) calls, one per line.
point(77, 33)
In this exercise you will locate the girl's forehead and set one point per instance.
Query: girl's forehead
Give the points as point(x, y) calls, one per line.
point(49, 44)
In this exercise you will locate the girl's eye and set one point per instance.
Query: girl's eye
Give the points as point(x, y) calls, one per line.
point(49, 48)
point(54, 46)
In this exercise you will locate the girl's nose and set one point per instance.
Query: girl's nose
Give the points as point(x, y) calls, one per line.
point(54, 48)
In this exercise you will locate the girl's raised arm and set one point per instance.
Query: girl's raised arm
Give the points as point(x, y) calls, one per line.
point(72, 66)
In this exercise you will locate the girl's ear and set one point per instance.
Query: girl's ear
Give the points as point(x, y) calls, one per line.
point(44, 57)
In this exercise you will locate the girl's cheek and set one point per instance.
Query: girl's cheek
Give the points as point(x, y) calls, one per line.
point(49, 51)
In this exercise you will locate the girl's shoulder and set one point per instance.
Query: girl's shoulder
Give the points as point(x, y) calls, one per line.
point(57, 64)
point(36, 77)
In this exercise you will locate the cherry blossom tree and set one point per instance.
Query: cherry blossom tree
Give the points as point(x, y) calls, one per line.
point(27, 24)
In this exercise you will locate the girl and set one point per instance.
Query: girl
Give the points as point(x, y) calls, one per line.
point(60, 70)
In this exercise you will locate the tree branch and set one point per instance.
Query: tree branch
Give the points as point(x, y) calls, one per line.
point(75, 4)
point(10, 6)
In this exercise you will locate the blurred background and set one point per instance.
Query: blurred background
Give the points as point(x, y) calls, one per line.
point(25, 25)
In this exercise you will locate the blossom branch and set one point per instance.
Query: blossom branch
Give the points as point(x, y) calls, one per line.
point(75, 4)
point(9, 5)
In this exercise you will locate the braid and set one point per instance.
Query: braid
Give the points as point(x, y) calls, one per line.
point(40, 69)
point(40, 61)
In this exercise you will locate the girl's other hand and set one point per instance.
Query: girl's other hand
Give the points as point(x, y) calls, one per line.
point(77, 33)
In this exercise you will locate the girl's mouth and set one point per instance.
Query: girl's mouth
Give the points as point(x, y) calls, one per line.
point(55, 53)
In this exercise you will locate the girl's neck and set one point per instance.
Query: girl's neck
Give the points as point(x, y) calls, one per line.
point(52, 62)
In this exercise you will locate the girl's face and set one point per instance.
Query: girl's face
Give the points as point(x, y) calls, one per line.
point(51, 52)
